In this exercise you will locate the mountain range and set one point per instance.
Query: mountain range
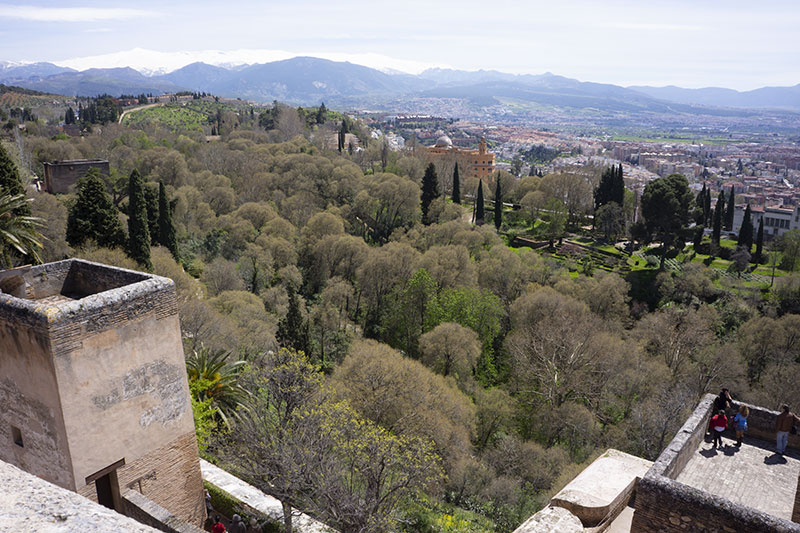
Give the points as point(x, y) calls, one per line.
point(309, 81)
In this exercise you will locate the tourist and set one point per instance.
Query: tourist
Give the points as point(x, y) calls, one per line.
point(218, 526)
point(238, 525)
point(209, 507)
point(783, 425)
point(719, 423)
point(723, 401)
point(740, 423)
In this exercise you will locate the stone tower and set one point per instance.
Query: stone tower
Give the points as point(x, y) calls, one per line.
point(93, 385)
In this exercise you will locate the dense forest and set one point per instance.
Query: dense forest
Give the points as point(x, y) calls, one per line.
point(385, 371)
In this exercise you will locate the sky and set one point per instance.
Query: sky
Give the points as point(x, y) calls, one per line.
point(690, 43)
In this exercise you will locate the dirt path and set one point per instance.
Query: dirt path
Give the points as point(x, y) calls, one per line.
point(131, 110)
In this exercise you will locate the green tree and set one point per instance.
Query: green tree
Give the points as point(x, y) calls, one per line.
point(93, 216)
point(18, 233)
point(498, 205)
point(610, 220)
point(719, 215)
point(430, 191)
point(322, 114)
point(665, 206)
point(151, 200)
point(759, 255)
point(730, 208)
point(293, 329)
point(11, 182)
point(479, 215)
point(746, 231)
point(215, 380)
point(456, 186)
point(138, 232)
point(166, 228)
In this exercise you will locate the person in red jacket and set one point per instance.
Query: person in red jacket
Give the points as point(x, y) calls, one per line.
point(719, 423)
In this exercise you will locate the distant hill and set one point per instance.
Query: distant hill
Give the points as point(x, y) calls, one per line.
point(92, 82)
point(309, 81)
point(765, 97)
point(304, 80)
point(10, 72)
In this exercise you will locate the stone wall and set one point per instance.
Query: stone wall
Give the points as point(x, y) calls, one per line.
point(761, 424)
point(29, 503)
point(59, 176)
point(665, 505)
point(149, 513)
point(796, 510)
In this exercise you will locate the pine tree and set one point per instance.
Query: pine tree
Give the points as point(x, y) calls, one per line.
point(729, 210)
point(498, 205)
point(757, 258)
point(719, 210)
point(138, 232)
point(11, 183)
point(456, 186)
point(746, 231)
point(166, 229)
point(430, 191)
point(93, 215)
point(479, 207)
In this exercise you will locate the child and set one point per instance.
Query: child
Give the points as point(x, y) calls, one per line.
point(740, 423)
point(719, 423)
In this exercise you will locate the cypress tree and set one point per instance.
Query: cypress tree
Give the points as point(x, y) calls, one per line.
point(93, 215)
point(757, 258)
point(166, 229)
point(746, 231)
point(707, 206)
point(479, 207)
point(151, 200)
point(701, 198)
point(11, 182)
point(430, 190)
point(618, 191)
point(719, 209)
point(138, 232)
point(292, 330)
point(729, 209)
point(456, 186)
point(498, 205)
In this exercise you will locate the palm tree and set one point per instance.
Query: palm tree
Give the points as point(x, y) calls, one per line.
point(212, 377)
point(18, 233)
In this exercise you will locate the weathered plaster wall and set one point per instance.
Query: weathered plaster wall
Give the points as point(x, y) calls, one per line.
point(29, 401)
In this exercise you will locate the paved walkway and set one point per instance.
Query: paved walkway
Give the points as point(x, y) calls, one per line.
point(752, 475)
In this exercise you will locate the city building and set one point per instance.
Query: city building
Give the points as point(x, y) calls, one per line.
point(777, 220)
point(93, 387)
point(471, 163)
point(60, 176)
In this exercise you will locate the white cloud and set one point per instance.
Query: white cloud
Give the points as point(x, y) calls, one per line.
point(71, 14)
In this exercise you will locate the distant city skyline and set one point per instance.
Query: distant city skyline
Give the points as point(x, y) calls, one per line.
point(735, 44)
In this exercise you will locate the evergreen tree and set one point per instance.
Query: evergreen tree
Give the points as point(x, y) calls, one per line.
point(757, 258)
point(498, 205)
point(729, 210)
point(479, 207)
point(430, 190)
point(618, 187)
point(93, 215)
point(707, 206)
point(322, 114)
point(138, 232)
point(11, 183)
point(719, 211)
point(456, 186)
point(69, 116)
point(746, 231)
point(292, 329)
point(151, 200)
point(166, 229)
point(701, 197)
